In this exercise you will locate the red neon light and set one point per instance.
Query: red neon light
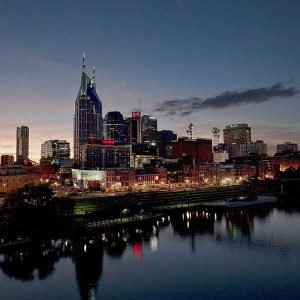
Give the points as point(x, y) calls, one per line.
point(108, 142)
point(102, 142)
point(136, 114)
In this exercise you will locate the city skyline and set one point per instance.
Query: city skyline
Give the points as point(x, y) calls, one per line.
point(155, 52)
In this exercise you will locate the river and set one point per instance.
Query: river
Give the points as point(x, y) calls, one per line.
point(185, 255)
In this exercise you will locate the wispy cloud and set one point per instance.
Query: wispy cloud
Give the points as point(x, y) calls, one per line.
point(187, 106)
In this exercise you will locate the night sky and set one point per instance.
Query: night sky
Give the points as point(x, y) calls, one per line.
point(240, 58)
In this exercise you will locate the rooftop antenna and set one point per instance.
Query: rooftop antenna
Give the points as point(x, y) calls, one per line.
point(83, 62)
point(216, 136)
point(190, 131)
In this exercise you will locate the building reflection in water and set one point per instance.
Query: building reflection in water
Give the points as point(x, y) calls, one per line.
point(37, 260)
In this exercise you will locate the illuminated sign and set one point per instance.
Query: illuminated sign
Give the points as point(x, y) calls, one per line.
point(136, 114)
point(102, 142)
point(108, 142)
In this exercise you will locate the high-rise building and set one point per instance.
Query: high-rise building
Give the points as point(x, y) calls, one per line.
point(7, 160)
point(237, 133)
point(22, 142)
point(88, 122)
point(103, 155)
point(55, 149)
point(261, 147)
point(134, 128)
point(148, 123)
point(114, 127)
point(234, 136)
point(287, 147)
point(162, 139)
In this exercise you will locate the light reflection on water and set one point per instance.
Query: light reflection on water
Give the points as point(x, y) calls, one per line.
point(185, 255)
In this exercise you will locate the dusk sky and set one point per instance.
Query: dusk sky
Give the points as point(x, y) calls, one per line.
point(227, 61)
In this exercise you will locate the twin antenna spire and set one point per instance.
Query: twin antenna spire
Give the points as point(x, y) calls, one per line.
point(84, 71)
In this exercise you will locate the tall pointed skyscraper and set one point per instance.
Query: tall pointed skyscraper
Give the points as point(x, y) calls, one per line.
point(88, 122)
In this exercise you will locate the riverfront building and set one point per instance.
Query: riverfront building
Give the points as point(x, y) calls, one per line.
point(88, 122)
point(11, 179)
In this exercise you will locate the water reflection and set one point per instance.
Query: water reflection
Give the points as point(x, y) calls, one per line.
point(36, 261)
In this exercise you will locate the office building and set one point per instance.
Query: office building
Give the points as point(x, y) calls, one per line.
point(22, 142)
point(142, 154)
point(162, 139)
point(220, 157)
point(102, 155)
point(237, 133)
point(114, 127)
point(55, 149)
point(149, 123)
point(134, 128)
point(199, 150)
point(287, 147)
point(234, 136)
point(7, 160)
point(88, 122)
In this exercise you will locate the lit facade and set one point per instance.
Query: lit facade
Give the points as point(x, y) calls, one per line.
point(88, 122)
point(114, 127)
point(55, 149)
point(287, 147)
point(104, 156)
point(22, 142)
point(162, 139)
point(134, 128)
point(149, 123)
point(220, 157)
point(12, 181)
point(235, 135)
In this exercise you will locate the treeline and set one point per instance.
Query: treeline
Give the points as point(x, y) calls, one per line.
point(30, 211)
point(289, 173)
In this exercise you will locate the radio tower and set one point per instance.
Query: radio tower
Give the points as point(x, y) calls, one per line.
point(190, 131)
point(216, 136)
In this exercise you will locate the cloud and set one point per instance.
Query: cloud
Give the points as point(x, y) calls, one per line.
point(185, 107)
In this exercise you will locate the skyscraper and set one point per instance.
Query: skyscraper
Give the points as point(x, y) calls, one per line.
point(115, 128)
point(22, 142)
point(88, 122)
point(134, 128)
point(149, 123)
point(236, 135)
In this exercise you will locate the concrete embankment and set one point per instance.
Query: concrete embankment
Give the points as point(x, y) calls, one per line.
point(158, 200)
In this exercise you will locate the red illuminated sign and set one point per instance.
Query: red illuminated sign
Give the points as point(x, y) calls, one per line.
point(108, 142)
point(102, 142)
point(136, 114)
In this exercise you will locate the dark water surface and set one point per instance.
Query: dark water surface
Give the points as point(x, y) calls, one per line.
point(190, 255)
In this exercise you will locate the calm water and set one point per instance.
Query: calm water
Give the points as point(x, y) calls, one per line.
point(194, 255)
